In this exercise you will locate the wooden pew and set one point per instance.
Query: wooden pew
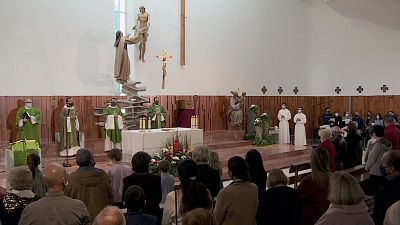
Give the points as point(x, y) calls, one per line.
point(357, 171)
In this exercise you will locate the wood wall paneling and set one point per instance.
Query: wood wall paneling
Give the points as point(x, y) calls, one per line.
point(211, 110)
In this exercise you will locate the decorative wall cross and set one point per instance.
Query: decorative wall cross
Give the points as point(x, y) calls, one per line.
point(384, 88)
point(264, 89)
point(338, 90)
point(360, 89)
point(295, 90)
point(280, 90)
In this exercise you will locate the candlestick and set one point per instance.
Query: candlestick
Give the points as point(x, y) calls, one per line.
point(149, 124)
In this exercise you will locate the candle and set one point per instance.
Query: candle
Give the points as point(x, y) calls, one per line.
point(196, 121)
point(140, 123)
point(149, 124)
point(191, 122)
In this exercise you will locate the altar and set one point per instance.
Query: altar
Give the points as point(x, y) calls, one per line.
point(154, 140)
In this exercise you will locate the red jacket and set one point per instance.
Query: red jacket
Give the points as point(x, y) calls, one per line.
point(392, 133)
point(332, 153)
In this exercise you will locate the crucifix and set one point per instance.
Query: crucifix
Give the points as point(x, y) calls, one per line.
point(183, 31)
point(164, 58)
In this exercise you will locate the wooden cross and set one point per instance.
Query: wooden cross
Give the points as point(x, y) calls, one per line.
point(360, 89)
point(183, 31)
point(295, 90)
point(384, 88)
point(264, 89)
point(164, 58)
point(280, 90)
point(338, 90)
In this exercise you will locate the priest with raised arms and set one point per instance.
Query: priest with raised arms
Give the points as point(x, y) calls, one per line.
point(28, 119)
point(299, 128)
point(113, 125)
point(157, 114)
point(284, 116)
point(69, 129)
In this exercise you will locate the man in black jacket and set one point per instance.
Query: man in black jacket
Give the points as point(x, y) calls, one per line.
point(389, 193)
point(207, 175)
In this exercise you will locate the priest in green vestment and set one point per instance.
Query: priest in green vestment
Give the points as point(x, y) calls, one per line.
point(157, 114)
point(113, 125)
point(69, 129)
point(28, 120)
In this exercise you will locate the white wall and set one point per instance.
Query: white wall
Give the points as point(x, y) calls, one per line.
point(55, 47)
point(247, 44)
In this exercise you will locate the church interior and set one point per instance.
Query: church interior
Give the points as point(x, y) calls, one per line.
point(168, 77)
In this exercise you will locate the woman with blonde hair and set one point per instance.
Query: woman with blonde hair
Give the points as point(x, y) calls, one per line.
point(313, 188)
point(282, 204)
point(347, 202)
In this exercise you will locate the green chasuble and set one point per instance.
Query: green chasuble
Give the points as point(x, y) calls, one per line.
point(157, 115)
point(69, 128)
point(30, 129)
point(113, 133)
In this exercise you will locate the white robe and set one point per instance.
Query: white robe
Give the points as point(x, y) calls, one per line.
point(284, 133)
point(299, 129)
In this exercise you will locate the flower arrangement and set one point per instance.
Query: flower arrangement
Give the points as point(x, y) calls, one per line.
point(261, 122)
point(258, 122)
point(176, 149)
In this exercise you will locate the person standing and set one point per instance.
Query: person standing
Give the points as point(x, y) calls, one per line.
point(69, 129)
point(28, 120)
point(113, 125)
point(284, 133)
point(157, 114)
point(326, 117)
point(300, 119)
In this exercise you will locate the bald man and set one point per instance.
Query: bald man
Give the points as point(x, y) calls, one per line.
point(28, 120)
point(55, 208)
point(110, 215)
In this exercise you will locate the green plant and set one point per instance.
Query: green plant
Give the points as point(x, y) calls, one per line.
point(249, 137)
point(263, 142)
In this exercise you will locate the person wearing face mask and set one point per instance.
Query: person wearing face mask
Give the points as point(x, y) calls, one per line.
point(337, 118)
point(373, 162)
point(55, 207)
point(69, 129)
point(378, 119)
point(113, 125)
point(300, 119)
point(359, 120)
point(284, 133)
point(368, 120)
point(346, 118)
point(157, 114)
point(28, 120)
point(389, 192)
point(326, 117)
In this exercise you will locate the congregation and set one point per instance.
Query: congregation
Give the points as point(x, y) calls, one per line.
point(254, 195)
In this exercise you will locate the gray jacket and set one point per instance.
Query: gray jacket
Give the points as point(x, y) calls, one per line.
point(374, 158)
